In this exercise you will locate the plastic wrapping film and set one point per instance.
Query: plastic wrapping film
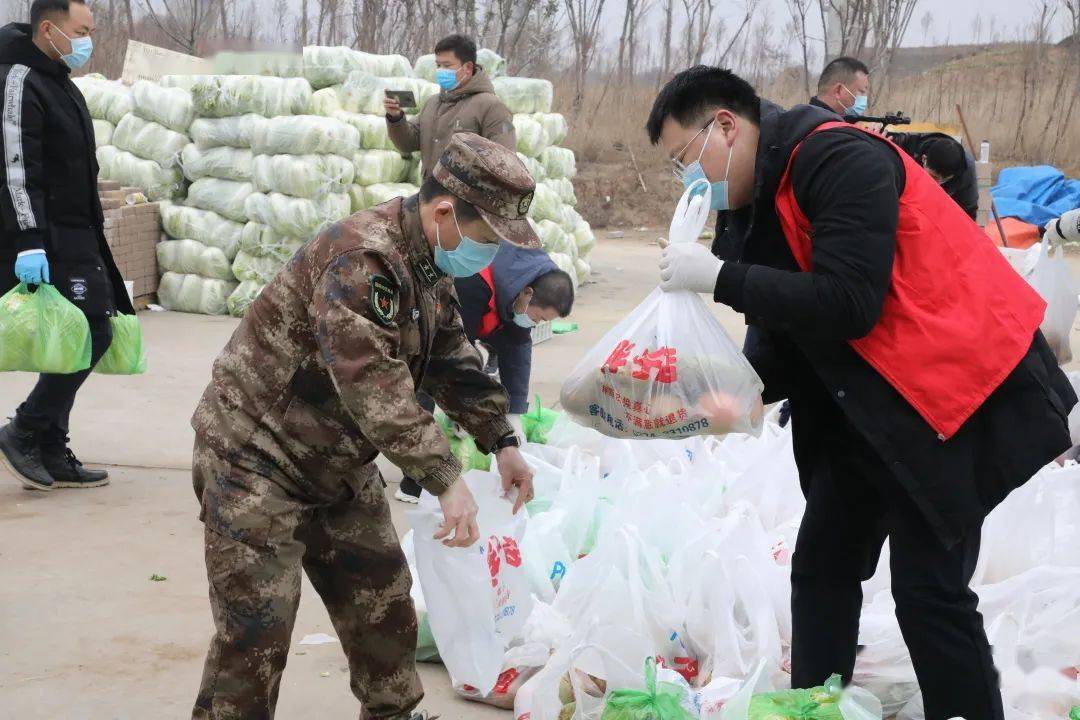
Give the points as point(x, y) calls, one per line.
point(195, 294)
point(205, 226)
point(157, 182)
point(191, 256)
point(304, 176)
point(326, 66)
point(225, 197)
point(364, 93)
point(237, 132)
point(105, 99)
point(149, 140)
point(297, 217)
point(304, 135)
point(525, 95)
point(171, 107)
point(219, 96)
point(380, 166)
point(531, 139)
point(224, 163)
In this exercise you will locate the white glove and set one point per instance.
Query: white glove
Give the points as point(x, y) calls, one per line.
point(689, 266)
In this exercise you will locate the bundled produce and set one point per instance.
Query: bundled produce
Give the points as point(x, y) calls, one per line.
point(303, 135)
point(563, 190)
point(558, 163)
point(126, 354)
point(276, 64)
point(667, 370)
point(194, 294)
point(372, 129)
point(220, 96)
point(169, 107)
point(531, 138)
point(263, 241)
point(235, 132)
point(534, 166)
point(546, 204)
point(297, 217)
point(41, 332)
point(103, 132)
point(326, 66)
point(242, 297)
point(380, 166)
point(208, 228)
point(225, 197)
point(555, 127)
point(524, 95)
point(303, 176)
point(149, 141)
point(105, 99)
point(554, 239)
point(372, 195)
point(259, 269)
point(658, 701)
point(158, 182)
point(191, 256)
point(224, 163)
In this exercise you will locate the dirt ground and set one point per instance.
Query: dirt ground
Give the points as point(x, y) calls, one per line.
point(85, 633)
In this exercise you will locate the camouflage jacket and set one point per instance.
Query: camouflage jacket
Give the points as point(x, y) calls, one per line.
point(473, 107)
point(322, 373)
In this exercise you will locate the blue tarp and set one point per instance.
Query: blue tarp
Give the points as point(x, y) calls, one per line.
point(1035, 195)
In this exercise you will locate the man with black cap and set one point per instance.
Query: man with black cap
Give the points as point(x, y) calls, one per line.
point(319, 378)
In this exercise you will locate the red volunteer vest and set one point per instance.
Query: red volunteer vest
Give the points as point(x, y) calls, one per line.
point(957, 318)
point(489, 323)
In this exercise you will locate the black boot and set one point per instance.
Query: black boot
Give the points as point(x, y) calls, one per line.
point(20, 452)
point(65, 468)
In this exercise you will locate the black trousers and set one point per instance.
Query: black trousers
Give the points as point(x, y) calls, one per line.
point(47, 409)
point(853, 504)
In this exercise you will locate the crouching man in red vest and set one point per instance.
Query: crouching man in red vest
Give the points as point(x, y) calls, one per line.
point(922, 392)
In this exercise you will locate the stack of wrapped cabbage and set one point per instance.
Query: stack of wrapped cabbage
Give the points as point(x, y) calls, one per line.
point(108, 101)
point(351, 86)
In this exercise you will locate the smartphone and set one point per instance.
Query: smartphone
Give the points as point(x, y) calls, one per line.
point(406, 98)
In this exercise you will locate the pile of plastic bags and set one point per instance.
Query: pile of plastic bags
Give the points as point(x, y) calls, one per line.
point(680, 551)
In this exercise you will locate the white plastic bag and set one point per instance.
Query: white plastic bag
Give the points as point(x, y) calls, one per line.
point(483, 590)
point(668, 369)
point(1052, 279)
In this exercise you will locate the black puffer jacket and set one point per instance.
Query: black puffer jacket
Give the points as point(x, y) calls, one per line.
point(48, 178)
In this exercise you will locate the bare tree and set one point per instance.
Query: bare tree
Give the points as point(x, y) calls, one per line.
point(798, 9)
point(583, 18)
point(185, 22)
point(669, 19)
point(927, 21)
point(751, 7)
point(698, 30)
point(977, 27)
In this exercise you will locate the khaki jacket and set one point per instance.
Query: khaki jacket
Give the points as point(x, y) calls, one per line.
point(472, 107)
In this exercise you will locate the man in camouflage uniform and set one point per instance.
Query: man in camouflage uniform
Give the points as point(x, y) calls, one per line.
point(320, 377)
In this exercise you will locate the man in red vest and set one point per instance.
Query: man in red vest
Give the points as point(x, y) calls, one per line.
point(921, 390)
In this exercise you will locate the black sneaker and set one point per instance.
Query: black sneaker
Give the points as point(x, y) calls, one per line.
point(408, 491)
point(67, 471)
point(21, 454)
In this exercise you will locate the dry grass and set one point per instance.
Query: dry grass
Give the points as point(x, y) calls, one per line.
point(1025, 100)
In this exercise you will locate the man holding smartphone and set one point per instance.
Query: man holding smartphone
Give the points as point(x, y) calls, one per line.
point(467, 103)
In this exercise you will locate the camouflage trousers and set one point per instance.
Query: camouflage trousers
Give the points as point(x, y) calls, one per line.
point(258, 541)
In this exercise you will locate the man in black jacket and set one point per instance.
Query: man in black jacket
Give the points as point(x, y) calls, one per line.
point(843, 87)
point(52, 224)
point(871, 463)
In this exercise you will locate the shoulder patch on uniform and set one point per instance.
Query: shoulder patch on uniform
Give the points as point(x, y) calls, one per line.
point(384, 299)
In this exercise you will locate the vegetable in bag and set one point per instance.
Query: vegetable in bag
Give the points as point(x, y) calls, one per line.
point(305, 135)
point(105, 99)
point(379, 166)
point(531, 141)
point(158, 182)
point(297, 217)
point(225, 197)
point(194, 294)
point(667, 370)
point(205, 226)
point(555, 127)
point(364, 92)
point(103, 132)
point(304, 176)
point(534, 166)
point(242, 297)
point(658, 701)
point(325, 66)
point(224, 163)
point(126, 354)
point(538, 422)
point(223, 96)
point(372, 195)
point(236, 132)
point(41, 332)
point(524, 95)
point(546, 204)
point(263, 241)
point(820, 703)
point(255, 268)
point(372, 129)
point(558, 162)
point(149, 141)
point(170, 107)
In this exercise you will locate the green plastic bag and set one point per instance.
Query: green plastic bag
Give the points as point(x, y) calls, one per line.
point(464, 448)
point(42, 332)
point(819, 703)
point(538, 422)
point(559, 327)
point(126, 354)
point(659, 701)
point(426, 651)
point(1074, 714)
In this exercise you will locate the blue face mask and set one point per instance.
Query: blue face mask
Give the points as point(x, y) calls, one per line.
point(862, 104)
point(523, 320)
point(694, 173)
point(446, 78)
point(467, 259)
point(81, 50)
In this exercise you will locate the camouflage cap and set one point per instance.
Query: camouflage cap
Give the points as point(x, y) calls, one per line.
point(494, 181)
